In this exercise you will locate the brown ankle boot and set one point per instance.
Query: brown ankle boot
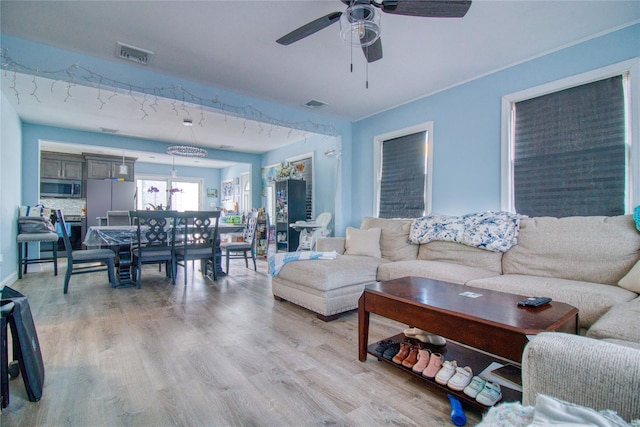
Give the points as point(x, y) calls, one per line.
point(402, 353)
point(412, 358)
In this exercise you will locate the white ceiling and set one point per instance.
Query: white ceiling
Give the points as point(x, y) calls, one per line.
point(231, 45)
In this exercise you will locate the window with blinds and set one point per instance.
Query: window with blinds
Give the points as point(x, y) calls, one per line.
point(403, 177)
point(570, 151)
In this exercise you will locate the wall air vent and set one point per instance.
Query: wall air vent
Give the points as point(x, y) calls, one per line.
point(314, 104)
point(132, 53)
point(226, 147)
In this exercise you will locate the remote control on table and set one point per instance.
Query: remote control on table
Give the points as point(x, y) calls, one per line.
point(534, 301)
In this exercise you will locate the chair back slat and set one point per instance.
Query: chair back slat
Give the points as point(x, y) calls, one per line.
point(118, 218)
point(249, 234)
point(65, 236)
point(154, 228)
point(197, 229)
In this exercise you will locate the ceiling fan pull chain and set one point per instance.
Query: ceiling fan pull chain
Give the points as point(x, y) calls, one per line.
point(367, 72)
point(351, 50)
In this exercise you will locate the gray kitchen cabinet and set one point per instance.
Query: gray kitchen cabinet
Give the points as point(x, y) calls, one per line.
point(60, 166)
point(108, 167)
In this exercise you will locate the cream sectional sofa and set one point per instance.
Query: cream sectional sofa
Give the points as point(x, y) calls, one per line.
point(576, 260)
point(587, 262)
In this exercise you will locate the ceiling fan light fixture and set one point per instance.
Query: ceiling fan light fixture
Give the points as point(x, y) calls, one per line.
point(360, 25)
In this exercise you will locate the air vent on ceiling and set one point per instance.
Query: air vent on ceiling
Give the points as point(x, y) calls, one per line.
point(314, 104)
point(226, 147)
point(107, 130)
point(132, 53)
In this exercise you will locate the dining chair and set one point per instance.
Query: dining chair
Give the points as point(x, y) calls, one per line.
point(118, 218)
point(154, 242)
point(83, 260)
point(195, 236)
point(237, 250)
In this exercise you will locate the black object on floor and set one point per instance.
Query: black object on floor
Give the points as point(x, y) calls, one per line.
point(26, 348)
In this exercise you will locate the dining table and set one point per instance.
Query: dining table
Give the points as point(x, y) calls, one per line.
point(121, 238)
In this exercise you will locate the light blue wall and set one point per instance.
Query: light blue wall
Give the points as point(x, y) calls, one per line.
point(324, 168)
point(10, 189)
point(466, 150)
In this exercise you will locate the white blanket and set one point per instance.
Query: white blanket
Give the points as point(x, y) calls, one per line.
point(277, 261)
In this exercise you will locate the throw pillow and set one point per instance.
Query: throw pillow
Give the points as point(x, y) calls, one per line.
point(35, 211)
point(631, 281)
point(363, 242)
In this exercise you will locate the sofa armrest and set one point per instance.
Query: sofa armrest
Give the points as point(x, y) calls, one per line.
point(584, 371)
point(328, 244)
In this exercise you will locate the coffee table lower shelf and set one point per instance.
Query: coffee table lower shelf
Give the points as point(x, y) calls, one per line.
point(465, 356)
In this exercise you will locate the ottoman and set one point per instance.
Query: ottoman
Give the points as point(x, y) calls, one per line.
point(326, 287)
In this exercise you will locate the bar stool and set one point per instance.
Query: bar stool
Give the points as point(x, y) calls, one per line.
point(24, 239)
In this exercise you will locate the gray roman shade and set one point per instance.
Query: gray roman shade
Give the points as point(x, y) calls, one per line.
point(403, 181)
point(570, 151)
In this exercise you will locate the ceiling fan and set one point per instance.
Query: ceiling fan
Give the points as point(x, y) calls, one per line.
point(360, 22)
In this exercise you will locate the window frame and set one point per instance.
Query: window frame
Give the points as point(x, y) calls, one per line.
point(377, 162)
point(169, 180)
point(632, 93)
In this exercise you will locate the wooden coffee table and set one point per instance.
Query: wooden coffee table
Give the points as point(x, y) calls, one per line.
point(481, 329)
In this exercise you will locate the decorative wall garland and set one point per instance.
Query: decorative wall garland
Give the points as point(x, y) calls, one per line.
point(179, 97)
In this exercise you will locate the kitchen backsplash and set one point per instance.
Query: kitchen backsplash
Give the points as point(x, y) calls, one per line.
point(67, 206)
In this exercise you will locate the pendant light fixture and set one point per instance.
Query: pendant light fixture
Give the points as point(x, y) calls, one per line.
point(123, 169)
point(187, 150)
point(174, 172)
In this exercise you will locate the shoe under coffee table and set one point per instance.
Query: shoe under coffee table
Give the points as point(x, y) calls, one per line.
point(484, 325)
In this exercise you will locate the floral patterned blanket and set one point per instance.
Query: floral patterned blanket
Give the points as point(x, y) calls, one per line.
point(493, 231)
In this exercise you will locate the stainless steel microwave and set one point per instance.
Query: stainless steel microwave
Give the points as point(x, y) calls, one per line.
point(60, 188)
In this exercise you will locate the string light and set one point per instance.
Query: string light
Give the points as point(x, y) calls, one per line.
point(75, 73)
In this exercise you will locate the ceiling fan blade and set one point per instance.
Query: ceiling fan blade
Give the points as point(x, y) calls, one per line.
point(426, 8)
point(374, 51)
point(309, 28)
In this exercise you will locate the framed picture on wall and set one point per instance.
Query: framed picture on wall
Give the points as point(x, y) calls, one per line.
point(227, 190)
point(212, 192)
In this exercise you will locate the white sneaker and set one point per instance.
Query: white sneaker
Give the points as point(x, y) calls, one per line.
point(460, 379)
point(475, 387)
point(490, 394)
point(446, 372)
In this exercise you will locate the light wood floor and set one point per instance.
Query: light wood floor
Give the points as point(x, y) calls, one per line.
point(211, 354)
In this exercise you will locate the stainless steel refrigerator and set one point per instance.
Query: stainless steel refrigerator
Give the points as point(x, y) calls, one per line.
point(107, 195)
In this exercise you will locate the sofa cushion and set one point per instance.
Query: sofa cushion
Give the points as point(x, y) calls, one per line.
point(619, 323)
point(595, 249)
point(631, 281)
point(626, 343)
point(345, 270)
point(591, 299)
point(394, 240)
point(445, 271)
point(461, 254)
point(328, 244)
point(363, 242)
